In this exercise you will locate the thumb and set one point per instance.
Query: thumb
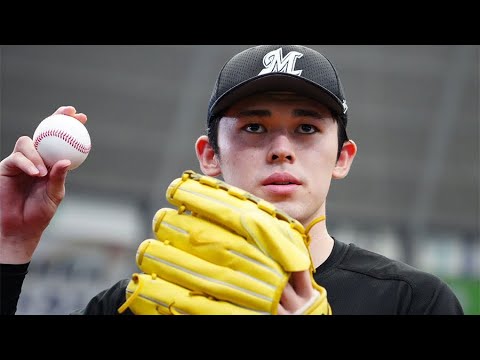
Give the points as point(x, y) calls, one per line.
point(56, 181)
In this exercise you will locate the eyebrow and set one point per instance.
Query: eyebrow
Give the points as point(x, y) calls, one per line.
point(254, 112)
point(265, 113)
point(308, 113)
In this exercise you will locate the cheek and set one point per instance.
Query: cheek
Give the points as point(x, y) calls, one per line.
point(321, 157)
point(238, 164)
point(238, 161)
point(236, 150)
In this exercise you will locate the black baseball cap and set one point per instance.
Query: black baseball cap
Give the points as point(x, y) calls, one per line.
point(293, 68)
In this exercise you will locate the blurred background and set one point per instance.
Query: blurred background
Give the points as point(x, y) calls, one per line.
point(412, 193)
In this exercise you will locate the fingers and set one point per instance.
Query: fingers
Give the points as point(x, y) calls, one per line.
point(296, 293)
point(56, 181)
point(302, 284)
point(287, 305)
point(24, 158)
point(71, 111)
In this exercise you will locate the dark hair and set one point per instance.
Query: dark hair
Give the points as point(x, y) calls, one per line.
point(212, 133)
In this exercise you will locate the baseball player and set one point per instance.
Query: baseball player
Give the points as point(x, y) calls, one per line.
point(255, 242)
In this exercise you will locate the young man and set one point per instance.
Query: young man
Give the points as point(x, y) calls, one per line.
point(276, 128)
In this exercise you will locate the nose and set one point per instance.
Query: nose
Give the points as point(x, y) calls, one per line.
point(281, 149)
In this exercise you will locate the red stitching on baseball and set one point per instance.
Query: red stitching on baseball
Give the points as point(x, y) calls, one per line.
point(64, 136)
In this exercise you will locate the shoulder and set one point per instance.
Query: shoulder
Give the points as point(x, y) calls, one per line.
point(382, 267)
point(427, 292)
point(107, 301)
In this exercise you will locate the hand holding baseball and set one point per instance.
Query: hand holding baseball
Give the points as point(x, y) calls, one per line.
point(30, 193)
point(60, 137)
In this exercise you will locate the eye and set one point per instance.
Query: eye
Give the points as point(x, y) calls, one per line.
point(254, 128)
point(307, 129)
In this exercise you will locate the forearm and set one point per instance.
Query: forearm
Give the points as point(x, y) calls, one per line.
point(11, 281)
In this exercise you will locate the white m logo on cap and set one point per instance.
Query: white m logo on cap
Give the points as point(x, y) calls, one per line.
point(275, 62)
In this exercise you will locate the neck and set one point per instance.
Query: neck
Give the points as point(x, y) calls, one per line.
point(321, 244)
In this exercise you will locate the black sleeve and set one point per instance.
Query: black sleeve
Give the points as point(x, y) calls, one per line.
point(444, 302)
point(107, 302)
point(11, 281)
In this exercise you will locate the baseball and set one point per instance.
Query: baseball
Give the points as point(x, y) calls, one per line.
point(60, 137)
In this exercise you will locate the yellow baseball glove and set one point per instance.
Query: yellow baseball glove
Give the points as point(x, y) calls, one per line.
point(222, 251)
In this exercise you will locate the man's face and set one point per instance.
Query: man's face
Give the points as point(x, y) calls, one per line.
point(281, 148)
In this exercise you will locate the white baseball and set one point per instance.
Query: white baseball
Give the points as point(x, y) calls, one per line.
point(60, 137)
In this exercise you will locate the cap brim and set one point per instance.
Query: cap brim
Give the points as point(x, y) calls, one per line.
point(277, 82)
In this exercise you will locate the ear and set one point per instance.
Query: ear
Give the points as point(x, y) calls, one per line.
point(344, 162)
point(207, 158)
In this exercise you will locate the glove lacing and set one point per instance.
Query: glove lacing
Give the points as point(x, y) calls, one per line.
point(308, 239)
point(128, 302)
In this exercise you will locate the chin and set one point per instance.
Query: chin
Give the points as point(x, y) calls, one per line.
point(291, 209)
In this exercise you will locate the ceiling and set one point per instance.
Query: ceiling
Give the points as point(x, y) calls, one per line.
point(413, 112)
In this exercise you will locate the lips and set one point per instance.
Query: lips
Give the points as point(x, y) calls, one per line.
point(281, 179)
